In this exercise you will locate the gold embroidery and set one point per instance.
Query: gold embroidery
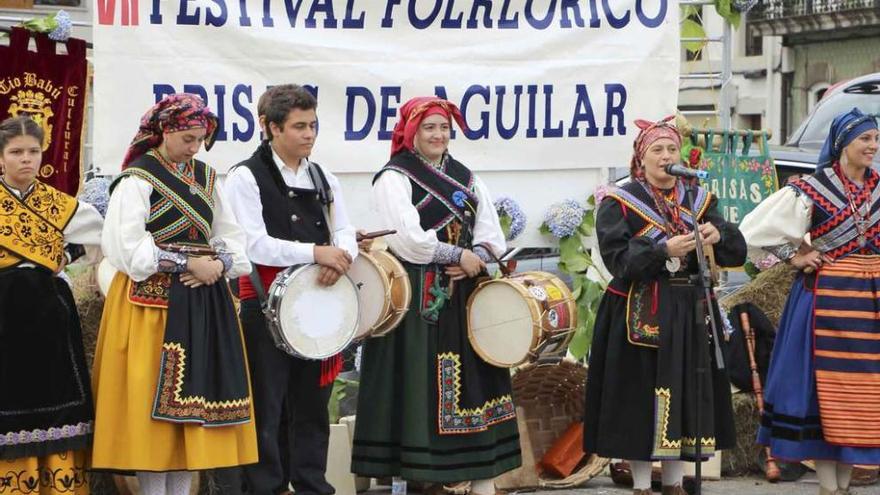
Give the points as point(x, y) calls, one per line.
point(32, 229)
point(454, 420)
point(663, 446)
point(174, 406)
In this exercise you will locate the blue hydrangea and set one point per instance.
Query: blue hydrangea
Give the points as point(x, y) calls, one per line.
point(508, 207)
point(744, 5)
point(96, 192)
point(63, 26)
point(564, 218)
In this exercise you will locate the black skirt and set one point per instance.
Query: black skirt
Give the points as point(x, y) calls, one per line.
point(640, 400)
point(46, 401)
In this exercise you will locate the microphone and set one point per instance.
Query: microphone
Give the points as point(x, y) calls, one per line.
point(687, 172)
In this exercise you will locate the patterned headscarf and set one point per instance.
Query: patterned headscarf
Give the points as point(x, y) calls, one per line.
point(844, 129)
point(650, 132)
point(411, 115)
point(177, 112)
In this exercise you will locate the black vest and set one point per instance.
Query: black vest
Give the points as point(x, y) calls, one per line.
point(179, 213)
point(290, 213)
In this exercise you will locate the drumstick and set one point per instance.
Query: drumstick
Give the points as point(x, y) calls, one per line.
point(372, 235)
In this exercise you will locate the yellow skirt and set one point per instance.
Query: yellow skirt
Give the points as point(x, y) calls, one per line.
point(51, 475)
point(125, 376)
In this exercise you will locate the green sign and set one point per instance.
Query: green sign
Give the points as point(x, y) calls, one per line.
point(739, 176)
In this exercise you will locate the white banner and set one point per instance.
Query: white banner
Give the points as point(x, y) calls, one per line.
point(543, 84)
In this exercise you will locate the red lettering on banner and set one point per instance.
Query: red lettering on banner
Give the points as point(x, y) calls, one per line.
point(107, 12)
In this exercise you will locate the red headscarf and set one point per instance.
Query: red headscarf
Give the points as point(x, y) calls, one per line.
point(411, 115)
point(650, 132)
point(177, 112)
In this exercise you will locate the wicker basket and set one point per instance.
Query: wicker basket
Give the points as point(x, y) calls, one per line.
point(551, 395)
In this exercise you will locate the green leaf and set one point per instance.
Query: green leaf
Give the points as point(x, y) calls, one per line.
point(725, 10)
point(544, 229)
point(692, 29)
point(592, 200)
point(689, 11)
point(506, 222)
point(572, 258)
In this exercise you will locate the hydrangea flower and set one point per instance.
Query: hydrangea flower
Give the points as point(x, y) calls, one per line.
point(600, 192)
point(766, 262)
point(507, 207)
point(96, 192)
point(63, 26)
point(744, 5)
point(563, 219)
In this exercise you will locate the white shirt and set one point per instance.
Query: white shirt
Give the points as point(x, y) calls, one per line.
point(392, 200)
point(83, 228)
point(262, 249)
point(130, 246)
point(783, 218)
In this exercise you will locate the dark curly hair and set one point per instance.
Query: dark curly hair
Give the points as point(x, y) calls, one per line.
point(274, 105)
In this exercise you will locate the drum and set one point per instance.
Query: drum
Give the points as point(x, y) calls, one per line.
point(310, 320)
point(384, 292)
point(519, 317)
point(105, 274)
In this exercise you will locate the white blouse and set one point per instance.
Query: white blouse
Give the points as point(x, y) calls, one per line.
point(783, 219)
point(130, 247)
point(244, 200)
point(392, 200)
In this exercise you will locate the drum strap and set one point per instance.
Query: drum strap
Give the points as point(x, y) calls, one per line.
point(258, 288)
point(325, 195)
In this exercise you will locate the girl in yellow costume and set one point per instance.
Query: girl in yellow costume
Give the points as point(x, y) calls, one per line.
point(46, 414)
point(170, 377)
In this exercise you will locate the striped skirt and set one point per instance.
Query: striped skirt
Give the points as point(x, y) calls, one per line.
point(822, 399)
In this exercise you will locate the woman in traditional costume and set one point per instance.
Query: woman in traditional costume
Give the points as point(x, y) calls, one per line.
point(822, 398)
point(46, 413)
point(431, 410)
point(170, 374)
point(641, 385)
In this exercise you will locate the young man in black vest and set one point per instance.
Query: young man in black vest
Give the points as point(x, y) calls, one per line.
point(279, 197)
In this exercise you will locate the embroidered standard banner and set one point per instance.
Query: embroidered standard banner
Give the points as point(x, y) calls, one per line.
point(50, 87)
point(542, 84)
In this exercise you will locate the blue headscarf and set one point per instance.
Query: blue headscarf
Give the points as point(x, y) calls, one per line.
point(844, 128)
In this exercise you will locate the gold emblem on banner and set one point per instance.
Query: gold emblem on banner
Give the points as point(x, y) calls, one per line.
point(38, 106)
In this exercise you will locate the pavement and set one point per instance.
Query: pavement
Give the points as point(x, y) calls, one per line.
point(602, 485)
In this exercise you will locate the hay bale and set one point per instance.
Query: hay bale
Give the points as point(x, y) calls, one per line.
point(90, 304)
point(768, 291)
point(744, 459)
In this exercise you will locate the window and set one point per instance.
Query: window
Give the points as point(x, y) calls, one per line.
point(754, 42)
point(60, 3)
point(817, 91)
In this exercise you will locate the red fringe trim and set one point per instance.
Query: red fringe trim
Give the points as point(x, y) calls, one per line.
point(330, 369)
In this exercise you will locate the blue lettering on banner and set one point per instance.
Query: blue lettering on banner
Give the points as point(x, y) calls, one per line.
point(355, 93)
point(325, 6)
point(387, 112)
point(507, 132)
point(243, 20)
point(423, 14)
point(242, 90)
point(364, 105)
point(472, 22)
point(481, 132)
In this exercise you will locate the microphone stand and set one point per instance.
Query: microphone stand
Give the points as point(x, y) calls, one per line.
point(702, 279)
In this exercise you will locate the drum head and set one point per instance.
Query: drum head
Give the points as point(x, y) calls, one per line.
point(106, 272)
point(318, 321)
point(500, 323)
point(372, 286)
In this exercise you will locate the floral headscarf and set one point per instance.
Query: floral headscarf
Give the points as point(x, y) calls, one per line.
point(411, 115)
point(650, 132)
point(177, 112)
